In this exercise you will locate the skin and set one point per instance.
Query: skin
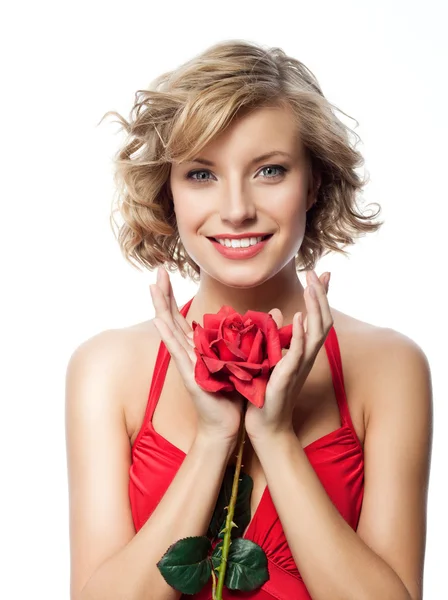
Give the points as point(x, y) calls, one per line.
point(386, 377)
point(237, 197)
point(234, 196)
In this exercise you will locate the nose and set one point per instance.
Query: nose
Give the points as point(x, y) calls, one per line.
point(237, 205)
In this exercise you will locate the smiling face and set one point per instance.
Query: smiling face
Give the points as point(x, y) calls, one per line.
point(230, 190)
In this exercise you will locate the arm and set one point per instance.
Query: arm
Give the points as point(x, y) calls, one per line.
point(109, 561)
point(384, 558)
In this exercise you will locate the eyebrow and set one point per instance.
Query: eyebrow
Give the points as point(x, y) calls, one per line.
point(209, 163)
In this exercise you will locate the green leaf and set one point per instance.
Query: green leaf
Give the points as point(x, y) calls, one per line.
point(186, 566)
point(242, 515)
point(247, 565)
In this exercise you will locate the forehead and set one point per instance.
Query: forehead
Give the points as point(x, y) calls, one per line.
point(254, 131)
point(251, 133)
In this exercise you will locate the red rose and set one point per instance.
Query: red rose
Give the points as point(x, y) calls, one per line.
point(237, 352)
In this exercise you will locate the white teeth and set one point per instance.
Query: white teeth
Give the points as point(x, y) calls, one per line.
point(241, 243)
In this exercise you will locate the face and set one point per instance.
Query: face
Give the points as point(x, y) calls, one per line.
point(231, 190)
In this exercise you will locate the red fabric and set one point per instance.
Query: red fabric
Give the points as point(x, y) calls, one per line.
point(336, 457)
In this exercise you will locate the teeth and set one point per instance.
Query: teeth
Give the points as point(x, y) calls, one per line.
point(242, 243)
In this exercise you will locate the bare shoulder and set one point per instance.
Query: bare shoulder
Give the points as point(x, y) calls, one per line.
point(376, 358)
point(363, 334)
point(390, 373)
point(122, 359)
point(117, 349)
point(100, 375)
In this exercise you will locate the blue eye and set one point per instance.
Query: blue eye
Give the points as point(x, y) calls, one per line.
point(191, 174)
point(278, 167)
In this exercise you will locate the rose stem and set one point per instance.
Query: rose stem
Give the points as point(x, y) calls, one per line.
point(231, 507)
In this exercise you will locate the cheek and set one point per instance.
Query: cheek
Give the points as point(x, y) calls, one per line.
point(190, 217)
point(290, 209)
point(190, 212)
point(292, 196)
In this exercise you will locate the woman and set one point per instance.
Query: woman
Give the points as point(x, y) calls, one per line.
point(240, 143)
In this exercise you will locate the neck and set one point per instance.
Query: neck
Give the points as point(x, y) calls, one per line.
point(283, 291)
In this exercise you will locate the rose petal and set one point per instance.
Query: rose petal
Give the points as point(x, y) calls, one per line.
point(273, 346)
point(248, 336)
point(208, 383)
point(268, 326)
point(230, 327)
point(250, 367)
point(212, 321)
point(213, 364)
point(256, 351)
point(239, 352)
point(201, 339)
point(258, 318)
point(253, 391)
point(285, 335)
point(237, 371)
point(227, 351)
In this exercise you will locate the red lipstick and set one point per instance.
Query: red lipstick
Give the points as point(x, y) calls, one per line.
point(240, 253)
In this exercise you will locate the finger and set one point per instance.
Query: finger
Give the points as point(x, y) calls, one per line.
point(321, 290)
point(164, 283)
point(164, 314)
point(296, 350)
point(314, 320)
point(177, 351)
point(276, 314)
point(179, 318)
point(289, 365)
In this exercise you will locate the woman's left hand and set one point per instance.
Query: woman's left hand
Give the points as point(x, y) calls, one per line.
point(290, 373)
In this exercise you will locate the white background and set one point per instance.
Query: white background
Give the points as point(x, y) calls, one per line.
point(63, 278)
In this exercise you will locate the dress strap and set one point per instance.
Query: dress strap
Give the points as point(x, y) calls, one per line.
point(334, 359)
point(159, 373)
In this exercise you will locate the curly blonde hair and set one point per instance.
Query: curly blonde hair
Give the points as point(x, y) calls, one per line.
point(184, 109)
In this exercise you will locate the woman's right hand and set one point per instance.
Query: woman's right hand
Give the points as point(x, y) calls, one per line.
point(219, 416)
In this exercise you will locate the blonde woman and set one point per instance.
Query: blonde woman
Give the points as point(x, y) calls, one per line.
point(237, 172)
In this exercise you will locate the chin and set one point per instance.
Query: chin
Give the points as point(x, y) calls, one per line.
point(240, 278)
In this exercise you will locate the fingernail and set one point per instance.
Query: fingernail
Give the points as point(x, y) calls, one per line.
point(328, 278)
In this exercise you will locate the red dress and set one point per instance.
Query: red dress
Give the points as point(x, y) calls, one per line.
point(336, 457)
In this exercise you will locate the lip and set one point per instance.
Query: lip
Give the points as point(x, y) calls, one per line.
point(238, 236)
point(240, 253)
